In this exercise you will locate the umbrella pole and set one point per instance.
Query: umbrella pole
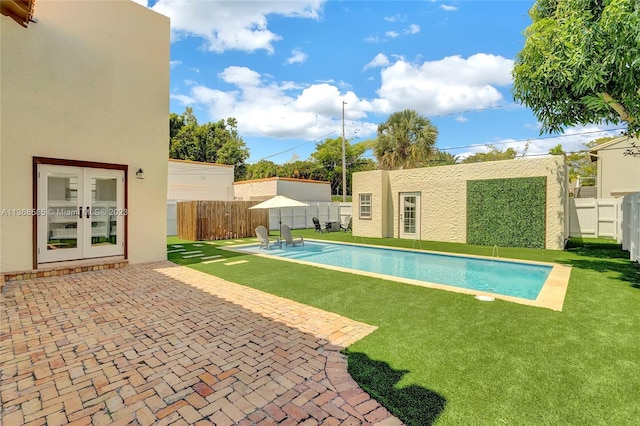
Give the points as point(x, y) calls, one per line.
point(280, 226)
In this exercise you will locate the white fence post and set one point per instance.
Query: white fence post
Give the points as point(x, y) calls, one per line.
point(631, 226)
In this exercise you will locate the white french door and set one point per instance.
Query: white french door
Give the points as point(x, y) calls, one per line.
point(84, 213)
point(410, 216)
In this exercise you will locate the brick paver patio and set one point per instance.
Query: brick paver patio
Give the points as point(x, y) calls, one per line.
point(165, 344)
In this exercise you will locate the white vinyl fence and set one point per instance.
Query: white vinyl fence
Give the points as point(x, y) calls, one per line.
point(301, 217)
point(631, 226)
point(595, 218)
point(172, 218)
point(295, 218)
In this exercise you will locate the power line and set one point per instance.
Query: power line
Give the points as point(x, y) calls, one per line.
point(529, 139)
point(298, 146)
point(488, 144)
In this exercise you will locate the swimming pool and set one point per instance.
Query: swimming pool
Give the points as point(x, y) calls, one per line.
point(507, 278)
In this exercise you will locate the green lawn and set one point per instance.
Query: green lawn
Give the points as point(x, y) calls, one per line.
point(445, 358)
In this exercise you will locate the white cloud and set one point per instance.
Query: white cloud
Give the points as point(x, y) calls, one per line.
point(413, 29)
point(394, 18)
point(374, 39)
point(282, 110)
point(444, 86)
point(380, 60)
point(410, 30)
point(174, 64)
point(188, 82)
point(448, 8)
point(287, 109)
point(461, 119)
point(232, 25)
point(185, 100)
point(240, 76)
point(297, 57)
point(572, 140)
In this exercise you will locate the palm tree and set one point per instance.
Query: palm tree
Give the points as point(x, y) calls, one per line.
point(405, 140)
point(442, 158)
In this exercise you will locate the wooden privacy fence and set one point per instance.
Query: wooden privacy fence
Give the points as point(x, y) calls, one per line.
point(219, 220)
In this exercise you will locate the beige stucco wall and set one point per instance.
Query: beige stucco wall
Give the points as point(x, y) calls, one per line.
point(90, 82)
point(618, 174)
point(305, 190)
point(443, 192)
point(191, 180)
point(297, 189)
point(376, 183)
point(260, 189)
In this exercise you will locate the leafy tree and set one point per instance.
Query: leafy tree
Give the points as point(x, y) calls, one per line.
point(405, 140)
point(557, 150)
point(176, 122)
point(494, 154)
point(580, 62)
point(211, 142)
point(327, 159)
point(442, 158)
point(260, 170)
point(579, 163)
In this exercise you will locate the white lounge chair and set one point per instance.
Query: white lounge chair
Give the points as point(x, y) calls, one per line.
point(288, 238)
point(345, 225)
point(263, 236)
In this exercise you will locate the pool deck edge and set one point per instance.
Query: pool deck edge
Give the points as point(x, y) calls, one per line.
point(551, 296)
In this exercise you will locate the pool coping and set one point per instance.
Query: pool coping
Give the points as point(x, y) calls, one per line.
point(551, 295)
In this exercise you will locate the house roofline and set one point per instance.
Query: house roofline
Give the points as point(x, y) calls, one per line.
point(281, 178)
point(201, 163)
point(593, 152)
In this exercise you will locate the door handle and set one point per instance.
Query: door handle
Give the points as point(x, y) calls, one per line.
point(80, 212)
point(88, 212)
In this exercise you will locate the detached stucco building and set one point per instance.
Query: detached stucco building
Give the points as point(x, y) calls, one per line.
point(193, 180)
point(455, 203)
point(617, 174)
point(299, 189)
point(84, 104)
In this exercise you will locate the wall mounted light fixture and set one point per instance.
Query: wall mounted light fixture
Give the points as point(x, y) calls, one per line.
point(140, 174)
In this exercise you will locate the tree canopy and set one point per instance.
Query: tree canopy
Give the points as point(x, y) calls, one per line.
point(328, 158)
point(442, 158)
point(494, 154)
point(324, 164)
point(404, 141)
point(580, 63)
point(210, 142)
point(579, 163)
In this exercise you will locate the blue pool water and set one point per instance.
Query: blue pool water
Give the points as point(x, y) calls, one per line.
point(493, 276)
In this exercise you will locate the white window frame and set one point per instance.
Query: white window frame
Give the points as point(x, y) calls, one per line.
point(364, 203)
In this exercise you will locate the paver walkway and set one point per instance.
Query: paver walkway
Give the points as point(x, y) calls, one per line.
point(165, 344)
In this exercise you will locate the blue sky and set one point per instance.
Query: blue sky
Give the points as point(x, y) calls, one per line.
point(284, 68)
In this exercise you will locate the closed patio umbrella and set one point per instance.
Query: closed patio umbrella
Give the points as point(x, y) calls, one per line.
point(278, 202)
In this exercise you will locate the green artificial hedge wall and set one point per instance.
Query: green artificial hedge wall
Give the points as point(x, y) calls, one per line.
point(507, 212)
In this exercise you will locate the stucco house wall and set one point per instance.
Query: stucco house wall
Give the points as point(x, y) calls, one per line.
point(297, 189)
point(88, 82)
point(617, 174)
point(376, 183)
point(443, 192)
point(192, 180)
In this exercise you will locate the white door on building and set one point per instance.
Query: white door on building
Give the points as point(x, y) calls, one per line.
point(410, 215)
point(81, 213)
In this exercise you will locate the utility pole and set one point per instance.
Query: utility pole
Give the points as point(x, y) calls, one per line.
point(344, 161)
